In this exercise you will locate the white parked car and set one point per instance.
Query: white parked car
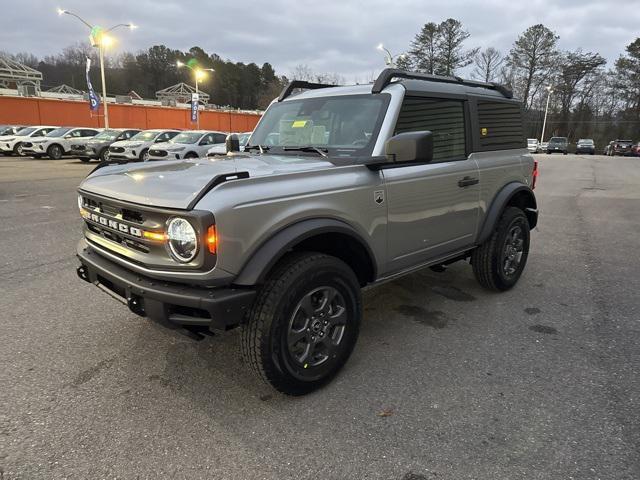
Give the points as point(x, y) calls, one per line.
point(191, 144)
point(533, 145)
point(57, 142)
point(221, 148)
point(10, 129)
point(137, 147)
point(12, 144)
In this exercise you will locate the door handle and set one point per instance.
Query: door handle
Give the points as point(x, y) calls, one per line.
point(467, 181)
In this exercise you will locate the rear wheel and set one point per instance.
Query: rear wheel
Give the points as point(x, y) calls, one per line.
point(104, 155)
point(55, 152)
point(304, 323)
point(500, 260)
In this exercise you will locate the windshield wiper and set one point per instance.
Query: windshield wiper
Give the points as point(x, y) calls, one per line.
point(318, 150)
point(262, 148)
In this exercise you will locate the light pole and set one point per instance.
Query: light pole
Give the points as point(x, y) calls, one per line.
point(546, 110)
point(199, 74)
point(389, 59)
point(99, 38)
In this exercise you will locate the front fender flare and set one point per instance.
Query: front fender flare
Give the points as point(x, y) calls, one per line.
point(271, 251)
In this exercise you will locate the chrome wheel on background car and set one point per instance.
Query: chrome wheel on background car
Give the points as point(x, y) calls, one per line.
point(54, 152)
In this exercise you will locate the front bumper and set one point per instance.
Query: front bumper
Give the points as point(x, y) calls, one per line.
point(177, 304)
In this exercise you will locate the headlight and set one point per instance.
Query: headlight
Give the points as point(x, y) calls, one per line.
point(182, 240)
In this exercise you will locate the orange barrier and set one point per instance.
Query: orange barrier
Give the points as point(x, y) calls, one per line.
point(44, 111)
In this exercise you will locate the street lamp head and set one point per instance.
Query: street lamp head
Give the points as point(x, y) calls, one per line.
point(200, 74)
point(106, 40)
point(132, 26)
point(61, 11)
point(380, 47)
point(179, 64)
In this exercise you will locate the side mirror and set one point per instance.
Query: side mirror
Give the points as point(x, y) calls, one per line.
point(410, 147)
point(232, 143)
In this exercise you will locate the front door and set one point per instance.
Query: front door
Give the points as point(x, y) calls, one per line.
point(432, 208)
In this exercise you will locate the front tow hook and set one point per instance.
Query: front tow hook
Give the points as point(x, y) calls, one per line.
point(82, 273)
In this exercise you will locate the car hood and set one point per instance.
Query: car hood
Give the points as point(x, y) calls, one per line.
point(128, 143)
point(171, 147)
point(174, 184)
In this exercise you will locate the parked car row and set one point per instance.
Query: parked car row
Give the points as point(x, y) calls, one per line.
point(115, 144)
point(584, 146)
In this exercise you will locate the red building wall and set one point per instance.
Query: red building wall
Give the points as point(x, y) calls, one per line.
point(41, 111)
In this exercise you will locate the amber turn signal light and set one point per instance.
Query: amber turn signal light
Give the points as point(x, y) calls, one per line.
point(212, 239)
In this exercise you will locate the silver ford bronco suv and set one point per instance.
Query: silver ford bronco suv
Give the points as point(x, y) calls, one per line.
point(338, 188)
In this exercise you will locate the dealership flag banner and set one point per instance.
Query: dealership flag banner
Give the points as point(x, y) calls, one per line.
point(195, 99)
point(94, 101)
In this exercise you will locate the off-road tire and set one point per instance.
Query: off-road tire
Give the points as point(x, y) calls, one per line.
point(487, 259)
point(264, 334)
point(55, 152)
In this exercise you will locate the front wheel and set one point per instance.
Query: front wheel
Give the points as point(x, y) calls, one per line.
point(144, 155)
point(54, 152)
point(304, 323)
point(500, 260)
point(104, 155)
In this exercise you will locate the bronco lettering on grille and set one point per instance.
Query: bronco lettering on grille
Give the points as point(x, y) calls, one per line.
point(120, 227)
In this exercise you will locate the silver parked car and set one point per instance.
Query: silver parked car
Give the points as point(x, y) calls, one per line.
point(57, 142)
point(190, 144)
point(137, 147)
point(12, 144)
point(360, 185)
point(221, 148)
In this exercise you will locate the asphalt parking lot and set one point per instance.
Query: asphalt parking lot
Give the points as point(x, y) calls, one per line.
point(447, 381)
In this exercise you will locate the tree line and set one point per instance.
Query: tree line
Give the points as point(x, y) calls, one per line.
point(233, 84)
point(586, 99)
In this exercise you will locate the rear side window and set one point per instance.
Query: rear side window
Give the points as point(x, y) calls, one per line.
point(219, 138)
point(500, 125)
point(444, 118)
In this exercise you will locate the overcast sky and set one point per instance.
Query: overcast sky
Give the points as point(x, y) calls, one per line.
point(328, 35)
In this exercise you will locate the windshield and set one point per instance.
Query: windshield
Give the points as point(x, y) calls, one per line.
point(26, 131)
point(58, 132)
point(147, 136)
point(187, 137)
point(6, 130)
point(558, 140)
point(344, 125)
point(107, 135)
point(585, 141)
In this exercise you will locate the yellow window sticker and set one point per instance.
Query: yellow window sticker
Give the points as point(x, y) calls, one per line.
point(299, 124)
point(484, 132)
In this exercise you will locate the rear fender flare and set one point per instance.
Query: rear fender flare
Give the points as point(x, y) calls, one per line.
point(500, 201)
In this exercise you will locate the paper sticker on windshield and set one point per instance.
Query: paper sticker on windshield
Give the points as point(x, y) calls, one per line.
point(484, 132)
point(299, 124)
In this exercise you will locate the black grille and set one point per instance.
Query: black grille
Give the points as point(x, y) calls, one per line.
point(127, 214)
point(158, 153)
point(116, 149)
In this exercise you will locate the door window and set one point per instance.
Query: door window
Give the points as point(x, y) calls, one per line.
point(444, 118)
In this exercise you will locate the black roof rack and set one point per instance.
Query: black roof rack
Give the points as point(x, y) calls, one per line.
point(286, 91)
point(389, 74)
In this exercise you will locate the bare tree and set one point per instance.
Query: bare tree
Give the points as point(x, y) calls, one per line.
point(451, 56)
point(488, 63)
point(533, 56)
